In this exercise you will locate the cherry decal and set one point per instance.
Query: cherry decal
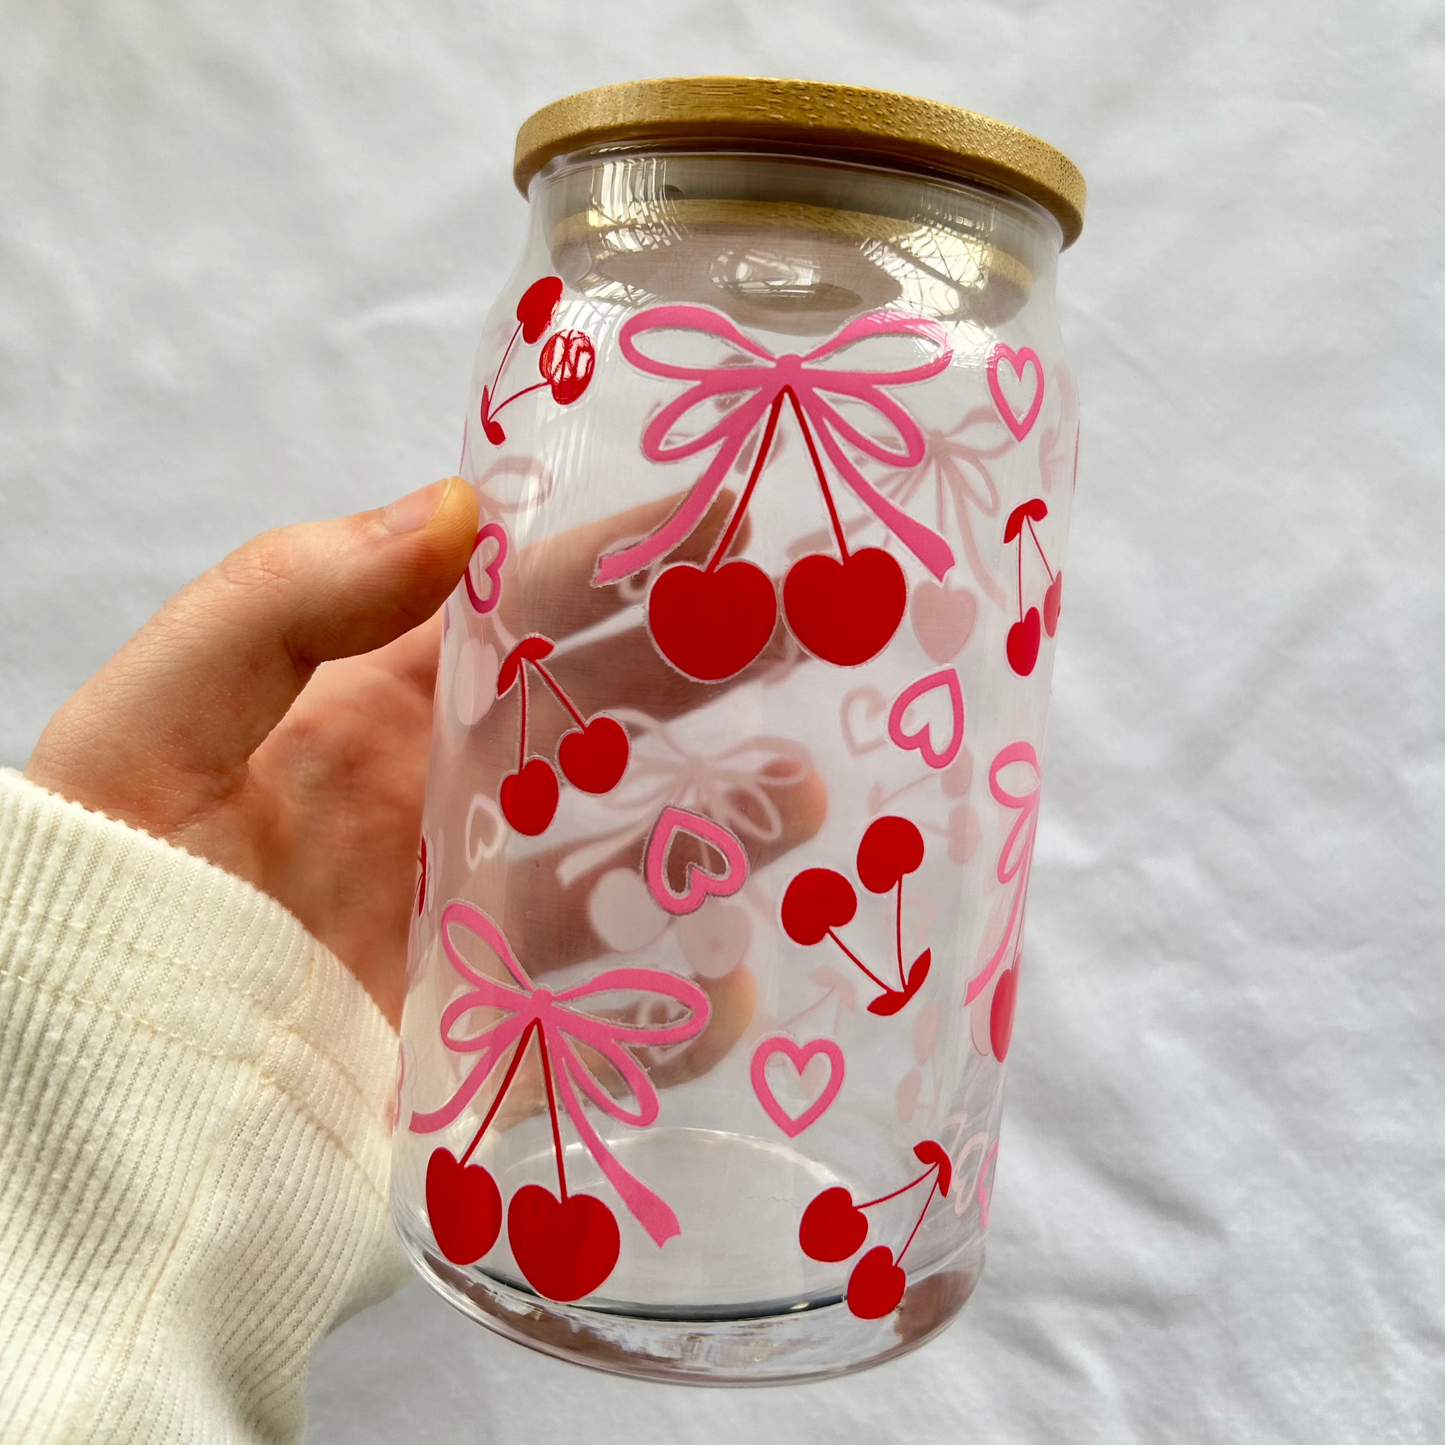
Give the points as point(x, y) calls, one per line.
point(833, 1229)
point(845, 612)
point(1022, 643)
point(711, 622)
point(566, 363)
point(1001, 1012)
point(820, 900)
point(876, 1285)
point(464, 1206)
point(565, 1247)
point(593, 756)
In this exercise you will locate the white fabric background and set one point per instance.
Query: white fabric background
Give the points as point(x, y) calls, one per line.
point(244, 257)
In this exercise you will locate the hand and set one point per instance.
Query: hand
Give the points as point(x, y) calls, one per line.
point(275, 718)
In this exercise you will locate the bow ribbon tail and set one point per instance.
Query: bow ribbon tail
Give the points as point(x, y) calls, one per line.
point(923, 542)
point(492, 1045)
point(650, 1211)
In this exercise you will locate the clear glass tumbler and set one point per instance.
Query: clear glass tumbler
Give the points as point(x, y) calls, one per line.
point(739, 730)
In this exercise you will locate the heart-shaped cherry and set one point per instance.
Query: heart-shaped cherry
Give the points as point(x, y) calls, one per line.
point(1023, 643)
point(594, 756)
point(464, 1206)
point(529, 797)
point(567, 363)
point(710, 625)
point(892, 1002)
point(491, 427)
point(891, 848)
point(535, 309)
point(833, 1228)
point(567, 1247)
point(1052, 599)
point(845, 612)
point(1001, 1012)
point(816, 900)
point(876, 1284)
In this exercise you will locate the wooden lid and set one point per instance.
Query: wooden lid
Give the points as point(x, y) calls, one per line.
point(844, 121)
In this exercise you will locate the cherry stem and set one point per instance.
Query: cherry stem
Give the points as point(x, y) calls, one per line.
point(885, 987)
point(560, 695)
point(1040, 547)
point(899, 792)
point(736, 520)
point(1021, 578)
point(818, 468)
point(898, 936)
point(912, 1184)
point(492, 389)
point(536, 386)
point(918, 1225)
point(502, 1092)
point(552, 1111)
point(522, 732)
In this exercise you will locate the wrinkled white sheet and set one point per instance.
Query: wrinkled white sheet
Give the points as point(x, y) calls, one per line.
point(244, 258)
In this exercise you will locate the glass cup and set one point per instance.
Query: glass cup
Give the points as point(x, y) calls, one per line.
point(737, 760)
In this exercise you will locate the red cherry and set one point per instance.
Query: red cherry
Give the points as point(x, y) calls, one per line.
point(529, 797)
point(1001, 1012)
point(567, 362)
point(536, 307)
point(710, 625)
point(887, 1004)
point(876, 1284)
point(931, 1152)
point(594, 756)
point(817, 899)
point(891, 848)
point(464, 1207)
point(491, 427)
point(1052, 599)
point(1023, 643)
point(845, 612)
point(1035, 509)
point(832, 1227)
point(566, 1248)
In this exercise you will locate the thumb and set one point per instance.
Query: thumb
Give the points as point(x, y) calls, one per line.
point(176, 714)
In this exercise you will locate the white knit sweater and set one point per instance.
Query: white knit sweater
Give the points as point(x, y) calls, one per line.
point(194, 1101)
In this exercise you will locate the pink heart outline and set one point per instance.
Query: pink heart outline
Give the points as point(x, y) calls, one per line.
point(1020, 361)
point(922, 738)
point(495, 532)
point(701, 884)
point(799, 1055)
point(874, 703)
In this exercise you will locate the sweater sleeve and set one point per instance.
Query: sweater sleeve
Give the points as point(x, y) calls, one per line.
point(194, 1107)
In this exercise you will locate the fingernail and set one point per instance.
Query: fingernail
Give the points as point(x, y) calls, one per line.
point(413, 511)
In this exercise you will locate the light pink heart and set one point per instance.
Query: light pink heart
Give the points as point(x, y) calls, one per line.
point(921, 738)
point(871, 703)
point(715, 938)
point(701, 884)
point(943, 619)
point(799, 1056)
point(1020, 361)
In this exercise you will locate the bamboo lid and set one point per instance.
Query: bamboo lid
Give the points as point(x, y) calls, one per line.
point(844, 121)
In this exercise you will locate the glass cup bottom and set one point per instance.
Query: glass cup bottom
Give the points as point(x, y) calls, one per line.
point(739, 1330)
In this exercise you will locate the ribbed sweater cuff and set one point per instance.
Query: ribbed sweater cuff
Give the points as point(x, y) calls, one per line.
point(194, 1100)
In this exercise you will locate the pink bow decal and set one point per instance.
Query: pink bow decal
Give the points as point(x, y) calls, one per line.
point(1015, 858)
point(760, 386)
point(560, 1025)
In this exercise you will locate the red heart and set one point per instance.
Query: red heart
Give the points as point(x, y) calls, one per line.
point(895, 1000)
point(567, 1247)
point(566, 363)
point(832, 1227)
point(1001, 1012)
point(529, 797)
point(594, 756)
point(845, 612)
point(710, 625)
point(535, 308)
point(1052, 598)
point(1023, 643)
point(891, 848)
point(817, 899)
point(464, 1207)
point(876, 1284)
